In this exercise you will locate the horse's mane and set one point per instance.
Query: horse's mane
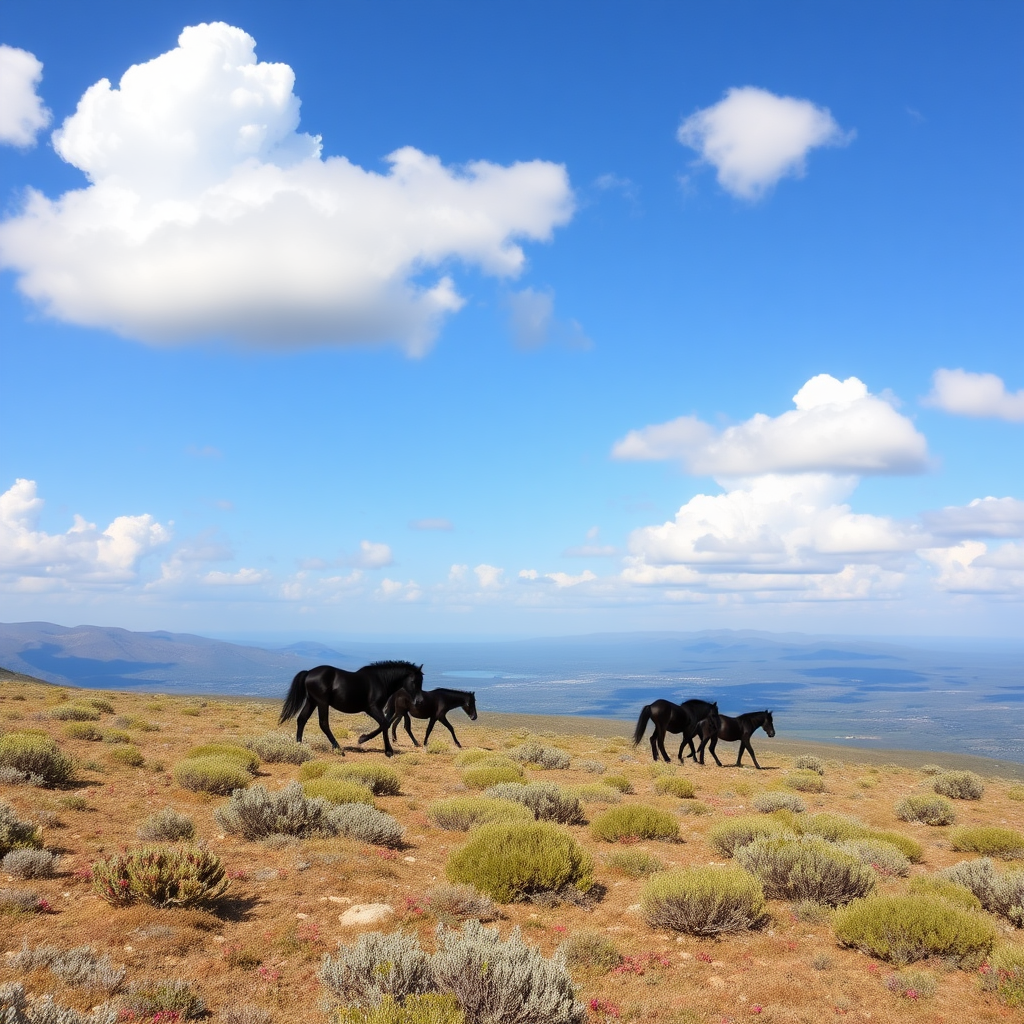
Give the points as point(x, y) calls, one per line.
point(388, 670)
point(448, 689)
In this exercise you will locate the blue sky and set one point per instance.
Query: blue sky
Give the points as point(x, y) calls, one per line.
point(293, 395)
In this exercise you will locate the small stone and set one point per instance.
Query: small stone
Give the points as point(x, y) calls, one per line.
point(302, 917)
point(128, 949)
point(715, 981)
point(365, 913)
point(409, 860)
point(219, 938)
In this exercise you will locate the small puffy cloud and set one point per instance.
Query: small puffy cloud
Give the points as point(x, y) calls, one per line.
point(208, 214)
point(975, 394)
point(431, 524)
point(971, 568)
point(22, 114)
point(983, 517)
point(528, 574)
point(490, 577)
point(753, 138)
point(395, 590)
point(836, 427)
point(457, 573)
point(84, 553)
point(373, 556)
point(563, 579)
point(242, 578)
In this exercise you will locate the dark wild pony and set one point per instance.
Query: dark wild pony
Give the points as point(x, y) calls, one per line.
point(668, 717)
point(742, 727)
point(432, 704)
point(366, 690)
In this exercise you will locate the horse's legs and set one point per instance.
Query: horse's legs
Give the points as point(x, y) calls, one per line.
point(661, 744)
point(381, 719)
point(408, 729)
point(448, 725)
point(323, 710)
point(369, 735)
point(307, 710)
point(711, 747)
point(654, 743)
point(746, 743)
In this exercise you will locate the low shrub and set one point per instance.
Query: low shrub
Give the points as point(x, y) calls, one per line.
point(768, 803)
point(492, 772)
point(113, 736)
point(164, 996)
point(544, 799)
point(541, 756)
point(596, 793)
point(805, 781)
point(74, 802)
point(338, 791)
point(1015, 792)
point(1001, 894)
point(945, 889)
point(436, 746)
point(932, 769)
point(589, 951)
point(314, 770)
point(810, 763)
point(806, 869)
point(959, 785)
point(138, 724)
point(256, 813)
point(1005, 975)
point(375, 966)
point(74, 713)
point(378, 778)
point(228, 751)
point(130, 756)
point(885, 858)
point(511, 862)
point(99, 703)
point(909, 847)
point(461, 813)
point(990, 840)
point(704, 901)
point(83, 731)
point(695, 807)
point(931, 810)
point(30, 863)
point(80, 966)
point(16, 1008)
point(675, 785)
point(167, 826)
point(619, 782)
point(19, 901)
point(12, 777)
point(217, 774)
point(162, 876)
point(811, 912)
point(635, 863)
point(16, 833)
point(904, 929)
point(429, 1008)
point(730, 835)
point(366, 824)
point(36, 755)
point(451, 903)
point(469, 757)
point(594, 767)
point(834, 827)
point(278, 748)
point(634, 821)
point(912, 984)
point(246, 1013)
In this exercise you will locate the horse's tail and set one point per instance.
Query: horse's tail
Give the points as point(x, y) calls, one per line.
point(295, 699)
point(641, 724)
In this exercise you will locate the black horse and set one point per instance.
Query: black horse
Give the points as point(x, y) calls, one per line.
point(668, 717)
point(742, 727)
point(365, 690)
point(432, 704)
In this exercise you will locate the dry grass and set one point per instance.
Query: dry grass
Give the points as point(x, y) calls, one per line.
point(282, 911)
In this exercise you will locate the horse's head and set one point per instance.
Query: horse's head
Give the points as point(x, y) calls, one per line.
point(414, 680)
point(469, 706)
point(768, 725)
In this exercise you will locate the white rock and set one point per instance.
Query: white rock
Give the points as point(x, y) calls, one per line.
point(365, 913)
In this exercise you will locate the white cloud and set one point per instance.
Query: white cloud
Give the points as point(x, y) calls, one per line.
point(83, 554)
point(22, 114)
point(209, 214)
point(837, 426)
point(563, 579)
point(528, 574)
point(395, 590)
point(373, 556)
point(970, 568)
point(975, 394)
point(242, 578)
point(754, 138)
point(490, 577)
point(983, 517)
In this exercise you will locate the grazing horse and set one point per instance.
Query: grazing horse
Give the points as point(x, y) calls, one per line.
point(432, 704)
point(742, 727)
point(669, 717)
point(366, 690)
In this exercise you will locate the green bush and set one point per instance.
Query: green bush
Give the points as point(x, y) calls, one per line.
point(589, 951)
point(36, 755)
point(429, 1008)
point(619, 782)
point(904, 929)
point(883, 857)
point(544, 799)
point(912, 984)
point(162, 876)
point(910, 848)
point(1015, 792)
point(278, 748)
point(378, 778)
point(99, 703)
point(634, 821)
point(338, 791)
point(218, 774)
point(730, 835)
point(139, 724)
point(164, 997)
point(811, 763)
point(932, 810)
point(704, 901)
point(695, 807)
point(513, 861)
point(594, 767)
point(314, 770)
point(945, 889)
point(116, 736)
point(990, 840)
point(468, 757)
point(833, 827)
point(675, 785)
point(461, 813)
point(805, 781)
point(1001, 894)
point(231, 751)
point(806, 869)
point(959, 785)
point(492, 772)
point(16, 834)
point(74, 713)
point(82, 731)
point(635, 863)
point(130, 756)
point(541, 756)
point(167, 826)
point(1005, 975)
point(768, 803)
point(595, 793)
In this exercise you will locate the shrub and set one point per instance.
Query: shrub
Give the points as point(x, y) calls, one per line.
point(904, 929)
point(811, 912)
point(978, 877)
point(811, 763)
point(99, 703)
point(1015, 792)
point(596, 793)
point(696, 807)
point(544, 799)
point(833, 827)
point(492, 772)
point(430, 1008)
point(256, 813)
point(704, 901)
point(1005, 975)
point(162, 876)
point(619, 782)
point(675, 785)
point(589, 951)
point(805, 781)
point(449, 903)
point(437, 746)
point(130, 756)
point(313, 770)
point(513, 861)
point(932, 769)
point(594, 767)
point(635, 863)
point(79, 966)
point(16, 834)
point(959, 785)
point(164, 996)
point(910, 848)
point(912, 984)
point(220, 775)
point(945, 889)
point(468, 757)
point(36, 755)
point(885, 858)
point(634, 821)
point(806, 869)
point(167, 826)
point(542, 757)
point(461, 813)
point(730, 835)
point(113, 736)
point(16, 1008)
point(74, 713)
point(278, 748)
point(82, 731)
point(497, 981)
point(375, 966)
point(246, 1013)
point(19, 901)
point(31, 863)
point(367, 824)
point(12, 777)
point(338, 791)
point(378, 778)
point(767, 803)
point(227, 751)
point(74, 802)
point(932, 810)
point(990, 840)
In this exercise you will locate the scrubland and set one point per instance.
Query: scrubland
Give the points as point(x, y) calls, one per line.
point(214, 870)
